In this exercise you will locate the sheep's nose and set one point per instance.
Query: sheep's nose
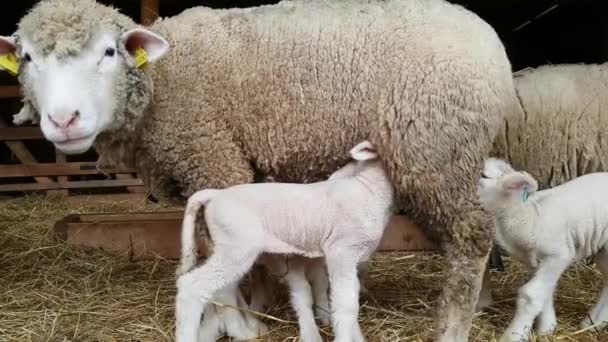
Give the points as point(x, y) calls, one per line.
point(64, 121)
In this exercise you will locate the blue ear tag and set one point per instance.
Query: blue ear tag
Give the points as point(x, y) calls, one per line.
point(525, 196)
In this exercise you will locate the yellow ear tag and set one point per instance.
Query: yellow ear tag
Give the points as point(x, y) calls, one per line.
point(141, 57)
point(10, 63)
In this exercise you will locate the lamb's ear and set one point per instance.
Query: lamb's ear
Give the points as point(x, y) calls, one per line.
point(516, 181)
point(155, 45)
point(364, 151)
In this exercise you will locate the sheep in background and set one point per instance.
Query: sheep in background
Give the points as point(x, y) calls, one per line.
point(547, 230)
point(342, 219)
point(285, 90)
point(558, 131)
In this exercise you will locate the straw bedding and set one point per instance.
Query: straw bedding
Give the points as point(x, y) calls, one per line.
point(52, 292)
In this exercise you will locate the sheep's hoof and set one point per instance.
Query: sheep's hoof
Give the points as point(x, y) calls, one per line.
point(323, 316)
point(588, 322)
point(254, 332)
point(310, 336)
point(513, 337)
point(484, 301)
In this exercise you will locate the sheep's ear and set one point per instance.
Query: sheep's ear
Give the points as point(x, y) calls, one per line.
point(154, 45)
point(7, 45)
point(364, 151)
point(515, 182)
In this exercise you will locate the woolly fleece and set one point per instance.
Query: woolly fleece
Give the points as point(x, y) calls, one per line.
point(286, 90)
point(558, 132)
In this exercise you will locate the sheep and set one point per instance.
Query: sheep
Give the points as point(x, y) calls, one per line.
point(342, 219)
point(285, 90)
point(547, 230)
point(557, 133)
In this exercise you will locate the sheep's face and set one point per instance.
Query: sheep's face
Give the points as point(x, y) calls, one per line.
point(82, 93)
point(500, 182)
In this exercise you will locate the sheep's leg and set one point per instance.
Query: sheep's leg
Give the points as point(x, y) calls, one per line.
point(467, 246)
point(320, 287)
point(301, 300)
point(546, 321)
point(261, 289)
point(485, 296)
point(363, 271)
point(533, 296)
point(344, 295)
point(219, 321)
point(598, 316)
point(194, 289)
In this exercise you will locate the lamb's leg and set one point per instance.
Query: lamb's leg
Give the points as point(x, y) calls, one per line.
point(301, 300)
point(485, 296)
point(344, 295)
point(533, 296)
point(546, 321)
point(225, 266)
point(317, 275)
point(598, 316)
point(219, 321)
point(467, 247)
point(262, 287)
point(363, 271)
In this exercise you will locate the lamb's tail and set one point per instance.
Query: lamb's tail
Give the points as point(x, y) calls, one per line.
point(189, 254)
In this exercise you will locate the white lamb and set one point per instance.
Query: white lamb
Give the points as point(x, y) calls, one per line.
point(548, 230)
point(341, 219)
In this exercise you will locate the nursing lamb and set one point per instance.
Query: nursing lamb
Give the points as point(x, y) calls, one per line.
point(284, 90)
point(341, 219)
point(547, 230)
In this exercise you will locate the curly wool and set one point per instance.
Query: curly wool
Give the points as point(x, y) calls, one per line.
point(70, 26)
point(558, 132)
point(286, 90)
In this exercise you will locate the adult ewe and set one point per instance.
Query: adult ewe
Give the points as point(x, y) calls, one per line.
point(558, 133)
point(285, 90)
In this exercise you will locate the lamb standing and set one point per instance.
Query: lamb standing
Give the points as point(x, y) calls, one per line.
point(557, 132)
point(285, 90)
point(341, 219)
point(547, 230)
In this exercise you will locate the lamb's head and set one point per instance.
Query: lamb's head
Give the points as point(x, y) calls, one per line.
point(77, 68)
point(500, 185)
point(364, 156)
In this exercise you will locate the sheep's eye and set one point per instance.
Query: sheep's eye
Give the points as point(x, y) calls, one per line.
point(27, 57)
point(483, 175)
point(110, 52)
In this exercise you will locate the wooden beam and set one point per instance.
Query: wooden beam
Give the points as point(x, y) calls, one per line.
point(20, 133)
point(60, 158)
point(8, 92)
point(147, 235)
point(23, 154)
point(106, 198)
point(149, 11)
point(110, 183)
point(54, 169)
point(133, 189)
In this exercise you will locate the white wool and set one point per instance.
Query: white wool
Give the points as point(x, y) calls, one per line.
point(547, 230)
point(342, 219)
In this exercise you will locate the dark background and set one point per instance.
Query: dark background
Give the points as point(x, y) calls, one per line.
point(573, 31)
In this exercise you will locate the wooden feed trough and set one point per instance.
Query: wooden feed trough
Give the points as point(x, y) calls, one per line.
point(157, 234)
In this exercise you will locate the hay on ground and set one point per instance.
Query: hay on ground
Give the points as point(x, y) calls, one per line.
point(53, 292)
